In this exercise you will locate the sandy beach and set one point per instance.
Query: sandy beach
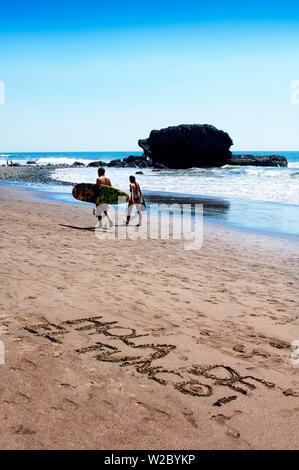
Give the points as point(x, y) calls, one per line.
point(125, 344)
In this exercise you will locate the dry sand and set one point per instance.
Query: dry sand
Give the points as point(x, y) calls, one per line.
point(118, 344)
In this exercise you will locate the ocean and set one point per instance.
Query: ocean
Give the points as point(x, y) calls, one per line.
point(256, 198)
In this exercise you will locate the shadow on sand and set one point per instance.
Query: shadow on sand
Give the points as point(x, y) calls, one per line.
point(91, 229)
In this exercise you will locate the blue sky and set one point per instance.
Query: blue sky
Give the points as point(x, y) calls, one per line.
point(99, 76)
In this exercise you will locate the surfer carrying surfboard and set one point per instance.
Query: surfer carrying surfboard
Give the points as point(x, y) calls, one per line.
point(103, 208)
point(135, 199)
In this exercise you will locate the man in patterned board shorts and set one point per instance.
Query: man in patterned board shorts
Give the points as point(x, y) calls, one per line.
point(103, 208)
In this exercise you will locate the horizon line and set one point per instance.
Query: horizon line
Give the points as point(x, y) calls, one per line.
point(115, 151)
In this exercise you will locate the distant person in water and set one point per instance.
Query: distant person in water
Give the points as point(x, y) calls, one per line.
point(135, 200)
point(103, 208)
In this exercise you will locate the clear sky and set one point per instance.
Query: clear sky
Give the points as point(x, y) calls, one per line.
point(99, 75)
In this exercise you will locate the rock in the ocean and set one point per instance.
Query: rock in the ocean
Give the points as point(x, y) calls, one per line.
point(139, 173)
point(116, 163)
point(132, 161)
point(187, 145)
point(97, 164)
point(257, 160)
point(77, 164)
point(137, 162)
point(31, 162)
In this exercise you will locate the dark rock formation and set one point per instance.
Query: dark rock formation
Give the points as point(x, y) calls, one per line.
point(139, 173)
point(132, 161)
point(31, 162)
point(97, 164)
point(138, 162)
point(185, 146)
point(116, 163)
point(51, 165)
point(77, 164)
point(32, 174)
point(145, 145)
point(159, 166)
point(254, 160)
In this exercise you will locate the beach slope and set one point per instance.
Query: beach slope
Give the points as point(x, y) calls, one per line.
point(119, 344)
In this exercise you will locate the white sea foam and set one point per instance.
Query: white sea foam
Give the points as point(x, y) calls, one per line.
point(254, 183)
point(293, 165)
point(60, 161)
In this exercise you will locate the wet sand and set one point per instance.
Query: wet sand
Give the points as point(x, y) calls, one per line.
point(126, 344)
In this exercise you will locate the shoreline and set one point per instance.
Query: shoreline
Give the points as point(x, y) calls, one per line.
point(262, 217)
point(244, 234)
point(127, 345)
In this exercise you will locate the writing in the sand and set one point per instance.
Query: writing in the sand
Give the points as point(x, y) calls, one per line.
point(123, 346)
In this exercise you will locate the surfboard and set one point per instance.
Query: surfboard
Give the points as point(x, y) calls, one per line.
point(99, 195)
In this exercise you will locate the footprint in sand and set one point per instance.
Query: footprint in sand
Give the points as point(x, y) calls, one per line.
point(233, 433)
point(147, 292)
point(154, 413)
point(222, 420)
point(21, 398)
point(279, 344)
point(67, 405)
point(190, 418)
point(65, 386)
point(23, 429)
point(182, 357)
point(26, 364)
point(261, 352)
point(291, 393)
point(239, 348)
point(205, 333)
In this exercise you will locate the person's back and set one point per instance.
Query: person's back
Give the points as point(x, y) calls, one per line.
point(103, 180)
point(102, 208)
point(135, 200)
point(135, 192)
